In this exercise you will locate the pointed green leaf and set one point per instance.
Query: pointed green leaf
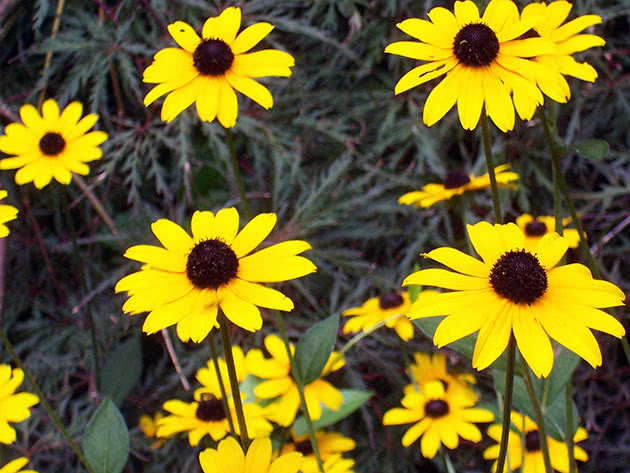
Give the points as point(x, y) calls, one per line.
point(595, 150)
point(314, 348)
point(106, 440)
point(121, 370)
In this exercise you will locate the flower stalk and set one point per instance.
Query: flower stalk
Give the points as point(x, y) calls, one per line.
point(215, 362)
point(487, 148)
point(507, 403)
point(237, 173)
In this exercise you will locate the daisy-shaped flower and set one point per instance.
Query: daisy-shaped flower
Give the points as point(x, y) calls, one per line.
point(208, 376)
point(390, 307)
point(52, 144)
point(440, 417)
point(531, 460)
point(565, 36)
point(207, 70)
point(520, 291)
point(330, 444)
point(228, 457)
point(187, 281)
point(279, 383)
point(13, 407)
point(427, 368)
point(16, 466)
point(536, 228)
point(484, 59)
point(457, 182)
point(206, 416)
point(7, 213)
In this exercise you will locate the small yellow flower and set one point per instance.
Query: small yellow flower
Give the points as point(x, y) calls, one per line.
point(391, 307)
point(229, 458)
point(206, 416)
point(52, 144)
point(15, 466)
point(279, 383)
point(456, 183)
point(7, 213)
point(522, 292)
point(13, 407)
point(208, 376)
point(207, 70)
point(187, 281)
point(565, 37)
point(531, 460)
point(330, 444)
point(536, 228)
point(441, 418)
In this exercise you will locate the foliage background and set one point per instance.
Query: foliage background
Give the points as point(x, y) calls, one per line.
point(331, 158)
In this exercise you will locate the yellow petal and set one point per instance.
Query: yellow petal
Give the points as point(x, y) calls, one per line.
point(287, 463)
point(184, 35)
point(250, 37)
point(157, 257)
point(459, 261)
point(466, 12)
point(533, 343)
point(493, 336)
point(228, 104)
point(208, 98)
point(225, 27)
point(180, 99)
point(240, 312)
point(420, 51)
point(201, 225)
point(428, 32)
point(252, 89)
point(469, 100)
point(443, 96)
point(499, 106)
point(445, 279)
point(424, 73)
point(260, 295)
point(253, 234)
point(267, 62)
point(172, 236)
point(258, 456)
point(225, 225)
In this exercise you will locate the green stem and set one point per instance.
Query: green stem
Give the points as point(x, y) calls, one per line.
point(540, 418)
point(465, 204)
point(569, 440)
point(236, 392)
point(237, 173)
point(487, 148)
point(44, 402)
point(507, 404)
point(297, 377)
point(224, 398)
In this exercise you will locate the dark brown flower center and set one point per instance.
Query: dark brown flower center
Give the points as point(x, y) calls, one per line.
point(519, 277)
point(304, 447)
point(52, 143)
point(210, 409)
point(390, 300)
point(213, 57)
point(535, 228)
point(532, 441)
point(436, 408)
point(456, 178)
point(210, 264)
point(476, 45)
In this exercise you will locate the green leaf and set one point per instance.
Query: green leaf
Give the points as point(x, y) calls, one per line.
point(121, 370)
point(563, 367)
point(595, 150)
point(106, 440)
point(352, 400)
point(314, 348)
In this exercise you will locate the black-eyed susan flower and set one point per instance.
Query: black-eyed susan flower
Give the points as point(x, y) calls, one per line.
point(331, 445)
point(485, 60)
point(228, 457)
point(7, 213)
point(536, 228)
point(16, 466)
point(208, 69)
point(427, 368)
point(565, 36)
point(278, 383)
point(457, 182)
point(515, 290)
point(206, 416)
point(52, 144)
point(390, 308)
point(440, 417)
point(187, 281)
point(209, 380)
point(13, 407)
point(530, 460)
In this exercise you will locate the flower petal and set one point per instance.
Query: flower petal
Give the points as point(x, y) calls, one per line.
point(184, 35)
point(253, 234)
point(172, 236)
point(252, 89)
point(250, 37)
point(240, 312)
point(228, 104)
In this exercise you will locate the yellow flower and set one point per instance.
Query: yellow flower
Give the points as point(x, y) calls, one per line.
point(484, 60)
point(566, 37)
point(278, 383)
point(206, 416)
point(7, 213)
point(15, 466)
point(535, 228)
point(209, 379)
point(207, 70)
point(186, 282)
point(514, 290)
point(229, 458)
point(390, 307)
point(532, 457)
point(13, 407)
point(330, 445)
point(442, 417)
point(456, 183)
point(52, 144)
